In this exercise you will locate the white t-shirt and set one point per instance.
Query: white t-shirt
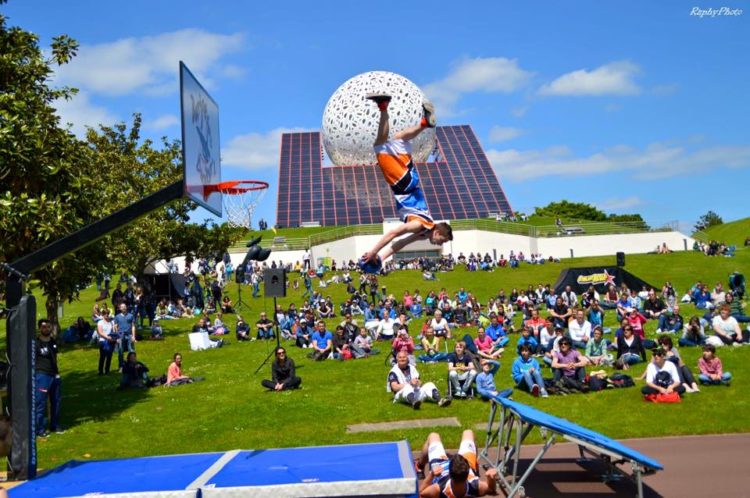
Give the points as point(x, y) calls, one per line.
point(728, 326)
point(440, 326)
point(653, 369)
point(579, 330)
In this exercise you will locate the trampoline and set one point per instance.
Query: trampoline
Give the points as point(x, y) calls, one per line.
point(371, 470)
point(515, 423)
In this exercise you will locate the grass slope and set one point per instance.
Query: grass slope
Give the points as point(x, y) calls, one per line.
point(734, 232)
point(231, 410)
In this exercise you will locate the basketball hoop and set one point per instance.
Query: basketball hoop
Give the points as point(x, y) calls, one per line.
point(240, 198)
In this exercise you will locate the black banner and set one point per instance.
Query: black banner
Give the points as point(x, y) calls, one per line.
point(600, 277)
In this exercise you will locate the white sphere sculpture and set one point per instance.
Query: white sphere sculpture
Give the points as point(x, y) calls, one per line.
point(350, 122)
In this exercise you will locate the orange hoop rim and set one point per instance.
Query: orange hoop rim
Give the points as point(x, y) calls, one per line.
point(236, 187)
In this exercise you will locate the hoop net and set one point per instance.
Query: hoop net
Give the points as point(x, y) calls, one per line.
point(240, 198)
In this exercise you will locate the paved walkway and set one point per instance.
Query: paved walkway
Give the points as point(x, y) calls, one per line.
point(694, 466)
point(404, 424)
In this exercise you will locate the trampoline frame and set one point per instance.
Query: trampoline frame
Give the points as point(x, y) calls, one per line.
point(511, 423)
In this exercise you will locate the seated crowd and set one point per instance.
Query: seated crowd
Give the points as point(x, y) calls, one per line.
point(563, 331)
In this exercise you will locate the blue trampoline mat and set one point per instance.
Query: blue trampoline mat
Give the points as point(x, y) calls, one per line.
point(566, 427)
point(130, 475)
point(378, 461)
point(387, 466)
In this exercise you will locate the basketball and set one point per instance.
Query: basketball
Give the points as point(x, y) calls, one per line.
point(372, 266)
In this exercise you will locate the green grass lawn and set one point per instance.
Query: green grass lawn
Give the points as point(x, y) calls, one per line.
point(231, 410)
point(734, 232)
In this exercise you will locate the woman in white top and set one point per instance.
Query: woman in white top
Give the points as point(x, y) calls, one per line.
point(727, 328)
point(440, 325)
point(107, 341)
point(385, 328)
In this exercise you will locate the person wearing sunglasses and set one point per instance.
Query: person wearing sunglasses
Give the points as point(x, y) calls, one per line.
point(283, 373)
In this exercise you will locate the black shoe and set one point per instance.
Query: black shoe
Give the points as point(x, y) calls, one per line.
point(443, 402)
point(43, 435)
point(378, 97)
point(428, 109)
point(417, 404)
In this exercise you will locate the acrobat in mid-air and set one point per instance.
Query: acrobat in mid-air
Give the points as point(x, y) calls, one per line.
point(394, 158)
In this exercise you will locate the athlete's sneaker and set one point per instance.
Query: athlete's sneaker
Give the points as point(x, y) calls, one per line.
point(380, 98)
point(545, 394)
point(535, 390)
point(416, 404)
point(428, 117)
point(443, 402)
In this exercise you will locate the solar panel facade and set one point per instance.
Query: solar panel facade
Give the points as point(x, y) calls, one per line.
point(459, 184)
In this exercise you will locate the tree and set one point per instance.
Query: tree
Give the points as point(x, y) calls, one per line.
point(708, 220)
point(575, 210)
point(43, 164)
point(53, 183)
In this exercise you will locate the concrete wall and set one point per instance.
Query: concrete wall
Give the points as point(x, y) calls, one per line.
point(599, 245)
point(494, 243)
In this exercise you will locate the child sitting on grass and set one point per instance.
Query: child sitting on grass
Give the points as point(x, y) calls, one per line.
point(526, 373)
point(712, 372)
point(527, 339)
point(486, 379)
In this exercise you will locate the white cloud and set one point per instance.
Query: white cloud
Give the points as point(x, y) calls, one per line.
point(255, 150)
point(488, 75)
point(149, 64)
point(504, 133)
point(615, 78)
point(519, 112)
point(656, 161)
point(162, 122)
point(619, 203)
point(79, 112)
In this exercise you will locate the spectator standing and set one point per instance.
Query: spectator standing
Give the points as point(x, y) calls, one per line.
point(107, 341)
point(125, 329)
point(48, 381)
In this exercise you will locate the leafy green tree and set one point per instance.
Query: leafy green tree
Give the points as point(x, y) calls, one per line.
point(54, 184)
point(708, 220)
point(575, 210)
point(42, 164)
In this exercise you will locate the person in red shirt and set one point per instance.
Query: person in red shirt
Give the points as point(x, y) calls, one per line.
point(403, 342)
point(537, 323)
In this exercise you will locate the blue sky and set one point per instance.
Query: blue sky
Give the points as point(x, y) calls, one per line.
point(634, 106)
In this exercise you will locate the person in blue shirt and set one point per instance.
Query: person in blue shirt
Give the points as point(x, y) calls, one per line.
point(322, 342)
point(416, 310)
point(526, 373)
point(596, 314)
point(496, 332)
point(462, 295)
point(486, 379)
point(527, 339)
point(125, 328)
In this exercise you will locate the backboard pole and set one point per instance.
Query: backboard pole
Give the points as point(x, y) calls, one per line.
point(20, 391)
point(93, 232)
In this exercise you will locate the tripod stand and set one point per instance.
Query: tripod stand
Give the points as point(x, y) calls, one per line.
point(240, 305)
point(278, 337)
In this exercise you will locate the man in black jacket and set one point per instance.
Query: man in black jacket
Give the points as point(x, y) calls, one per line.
point(283, 373)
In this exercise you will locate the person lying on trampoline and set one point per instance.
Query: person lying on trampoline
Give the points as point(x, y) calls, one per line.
point(394, 158)
point(454, 477)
